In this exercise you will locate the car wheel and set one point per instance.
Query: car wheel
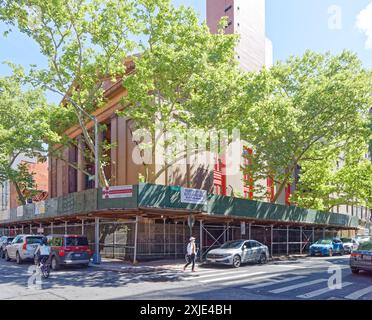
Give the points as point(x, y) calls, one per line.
point(330, 252)
point(55, 264)
point(236, 261)
point(18, 258)
point(263, 259)
point(7, 256)
point(355, 270)
point(85, 265)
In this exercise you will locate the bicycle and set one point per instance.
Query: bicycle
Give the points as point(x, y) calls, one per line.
point(44, 267)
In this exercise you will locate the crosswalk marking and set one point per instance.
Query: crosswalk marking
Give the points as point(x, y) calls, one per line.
point(286, 266)
point(242, 282)
point(296, 286)
point(232, 277)
point(197, 276)
point(274, 281)
point(319, 292)
point(359, 293)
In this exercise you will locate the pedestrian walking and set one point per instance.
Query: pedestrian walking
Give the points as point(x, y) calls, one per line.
point(191, 254)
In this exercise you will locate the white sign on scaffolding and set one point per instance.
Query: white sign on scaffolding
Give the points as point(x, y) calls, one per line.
point(195, 196)
point(242, 228)
point(20, 211)
point(117, 192)
point(39, 208)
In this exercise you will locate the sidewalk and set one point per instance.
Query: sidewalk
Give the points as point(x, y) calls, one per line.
point(117, 265)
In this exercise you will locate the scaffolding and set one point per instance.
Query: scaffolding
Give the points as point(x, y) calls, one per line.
point(143, 239)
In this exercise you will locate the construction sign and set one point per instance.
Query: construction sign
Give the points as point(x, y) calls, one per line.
point(117, 192)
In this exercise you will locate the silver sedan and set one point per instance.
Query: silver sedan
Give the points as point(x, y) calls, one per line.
point(236, 252)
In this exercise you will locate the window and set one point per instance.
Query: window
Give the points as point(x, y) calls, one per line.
point(248, 179)
point(19, 240)
point(15, 240)
point(4, 196)
point(288, 194)
point(229, 24)
point(76, 241)
point(56, 242)
point(219, 176)
point(34, 240)
point(270, 189)
point(72, 172)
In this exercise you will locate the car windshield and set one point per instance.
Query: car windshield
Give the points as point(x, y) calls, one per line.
point(232, 245)
point(10, 239)
point(34, 240)
point(76, 241)
point(324, 242)
point(346, 240)
point(365, 246)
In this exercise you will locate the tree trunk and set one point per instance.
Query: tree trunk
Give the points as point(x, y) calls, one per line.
point(21, 198)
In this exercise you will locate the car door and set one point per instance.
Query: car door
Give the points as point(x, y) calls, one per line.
point(256, 250)
point(18, 246)
point(247, 255)
point(337, 245)
point(12, 247)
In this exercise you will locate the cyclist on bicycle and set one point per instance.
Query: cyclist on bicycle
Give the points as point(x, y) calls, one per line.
point(42, 252)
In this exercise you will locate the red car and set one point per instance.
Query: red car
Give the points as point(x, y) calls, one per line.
point(69, 250)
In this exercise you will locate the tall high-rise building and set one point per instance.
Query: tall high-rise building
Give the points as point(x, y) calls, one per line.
point(246, 18)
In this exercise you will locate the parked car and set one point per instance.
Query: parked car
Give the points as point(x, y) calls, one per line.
point(350, 244)
point(4, 241)
point(69, 250)
point(22, 247)
point(361, 259)
point(362, 239)
point(327, 247)
point(236, 252)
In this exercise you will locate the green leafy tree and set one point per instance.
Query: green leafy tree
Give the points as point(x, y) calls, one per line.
point(85, 43)
point(184, 78)
point(305, 113)
point(24, 129)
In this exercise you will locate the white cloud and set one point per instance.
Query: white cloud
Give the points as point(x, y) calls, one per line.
point(364, 24)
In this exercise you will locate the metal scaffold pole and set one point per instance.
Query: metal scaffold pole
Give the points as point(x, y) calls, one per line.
point(201, 240)
point(271, 239)
point(97, 257)
point(287, 240)
point(164, 235)
point(135, 241)
point(175, 240)
point(313, 234)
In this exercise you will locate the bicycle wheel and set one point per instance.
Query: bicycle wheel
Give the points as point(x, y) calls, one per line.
point(45, 271)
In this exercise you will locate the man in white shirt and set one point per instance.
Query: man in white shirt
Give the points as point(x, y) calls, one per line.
point(191, 254)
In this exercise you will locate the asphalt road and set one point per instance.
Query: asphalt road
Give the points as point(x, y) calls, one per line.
point(310, 278)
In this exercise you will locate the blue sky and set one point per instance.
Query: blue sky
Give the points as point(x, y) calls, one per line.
point(292, 25)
